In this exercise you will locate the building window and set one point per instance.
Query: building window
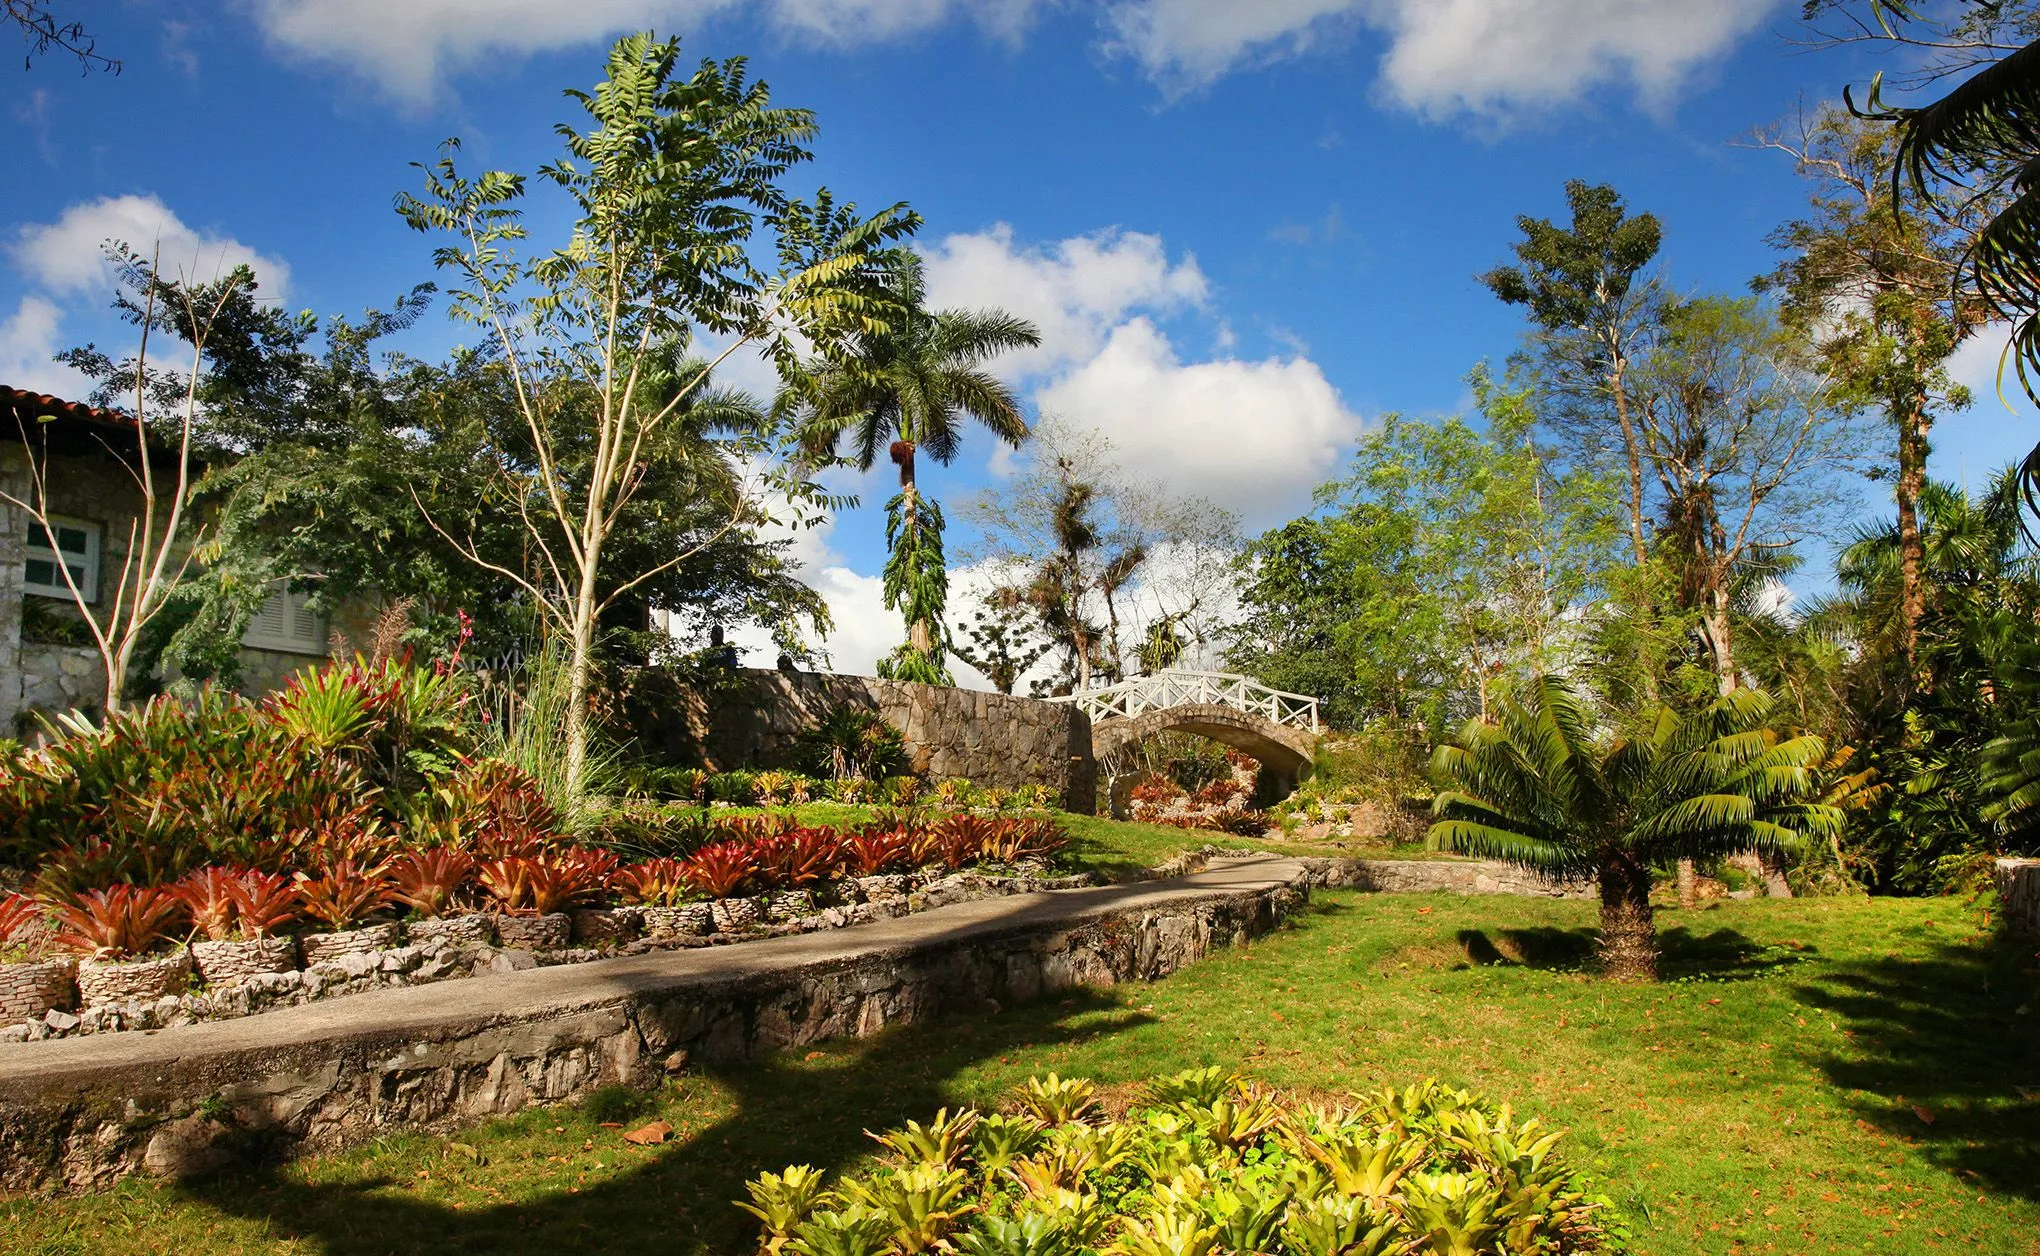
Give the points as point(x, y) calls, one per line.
point(77, 548)
point(286, 623)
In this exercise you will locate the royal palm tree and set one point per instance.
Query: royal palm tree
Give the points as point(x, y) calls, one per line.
point(905, 388)
point(1537, 785)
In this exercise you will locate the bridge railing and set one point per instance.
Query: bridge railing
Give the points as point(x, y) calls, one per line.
point(1175, 688)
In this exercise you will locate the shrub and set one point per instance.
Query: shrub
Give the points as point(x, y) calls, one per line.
point(653, 883)
point(336, 766)
point(119, 921)
point(739, 789)
point(800, 858)
point(849, 790)
point(427, 881)
point(1156, 790)
point(208, 898)
point(849, 742)
point(17, 913)
point(722, 869)
point(872, 852)
point(345, 893)
point(264, 902)
point(952, 792)
point(549, 882)
point(1214, 1164)
point(773, 787)
point(898, 791)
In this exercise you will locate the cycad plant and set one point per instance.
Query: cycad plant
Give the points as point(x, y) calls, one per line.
point(1539, 785)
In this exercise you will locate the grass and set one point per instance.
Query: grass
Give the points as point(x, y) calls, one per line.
point(1818, 1075)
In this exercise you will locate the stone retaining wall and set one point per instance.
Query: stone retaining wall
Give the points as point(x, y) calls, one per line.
point(2018, 886)
point(1419, 876)
point(751, 718)
point(81, 1113)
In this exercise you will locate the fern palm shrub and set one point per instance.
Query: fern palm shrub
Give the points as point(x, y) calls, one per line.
point(1539, 785)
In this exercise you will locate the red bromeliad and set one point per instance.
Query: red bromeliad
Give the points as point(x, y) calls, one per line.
point(208, 896)
point(427, 881)
point(345, 893)
point(264, 902)
point(653, 883)
point(118, 921)
point(721, 869)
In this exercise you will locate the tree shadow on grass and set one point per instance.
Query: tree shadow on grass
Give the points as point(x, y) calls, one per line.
point(1719, 955)
point(1723, 955)
point(1944, 1032)
point(1541, 946)
point(680, 1200)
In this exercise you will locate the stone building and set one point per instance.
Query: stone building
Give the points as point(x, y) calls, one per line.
point(91, 470)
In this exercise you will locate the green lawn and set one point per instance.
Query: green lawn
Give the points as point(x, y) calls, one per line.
point(1819, 1075)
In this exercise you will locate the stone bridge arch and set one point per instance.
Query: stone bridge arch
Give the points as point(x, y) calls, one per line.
point(1286, 754)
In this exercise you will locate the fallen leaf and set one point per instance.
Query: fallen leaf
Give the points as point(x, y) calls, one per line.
point(1714, 1002)
point(611, 1125)
point(1923, 1114)
point(1423, 911)
point(650, 1135)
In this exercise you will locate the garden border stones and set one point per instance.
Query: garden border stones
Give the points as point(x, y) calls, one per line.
point(79, 1113)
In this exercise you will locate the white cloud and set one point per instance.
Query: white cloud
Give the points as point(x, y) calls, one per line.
point(64, 256)
point(1446, 57)
point(410, 46)
point(28, 341)
point(1075, 291)
point(1252, 436)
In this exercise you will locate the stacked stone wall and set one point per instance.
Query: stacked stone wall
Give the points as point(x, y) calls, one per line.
point(80, 1115)
point(752, 718)
point(2018, 886)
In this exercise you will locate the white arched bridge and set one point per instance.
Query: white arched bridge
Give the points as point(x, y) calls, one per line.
point(1279, 729)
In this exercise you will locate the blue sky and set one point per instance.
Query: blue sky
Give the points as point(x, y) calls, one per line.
point(1246, 229)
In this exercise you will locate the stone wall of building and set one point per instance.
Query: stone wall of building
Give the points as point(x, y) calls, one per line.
point(752, 718)
point(2018, 886)
point(80, 1114)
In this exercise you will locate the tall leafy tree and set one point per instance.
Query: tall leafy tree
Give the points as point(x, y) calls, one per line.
point(673, 181)
point(1101, 555)
point(1972, 146)
point(151, 428)
point(1448, 565)
point(1749, 445)
point(904, 386)
point(1930, 830)
point(1538, 786)
point(1594, 305)
point(1874, 284)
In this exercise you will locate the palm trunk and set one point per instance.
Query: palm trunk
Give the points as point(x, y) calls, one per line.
point(920, 633)
point(1629, 946)
point(1913, 422)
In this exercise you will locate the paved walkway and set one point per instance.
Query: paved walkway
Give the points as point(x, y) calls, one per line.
point(451, 1008)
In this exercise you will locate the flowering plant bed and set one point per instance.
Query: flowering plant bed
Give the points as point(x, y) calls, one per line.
point(1204, 1163)
point(776, 877)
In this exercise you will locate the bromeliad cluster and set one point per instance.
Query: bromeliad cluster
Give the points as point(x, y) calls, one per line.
point(1211, 1164)
point(512, 881)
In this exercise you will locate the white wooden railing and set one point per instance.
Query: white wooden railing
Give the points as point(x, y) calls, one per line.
point(1174, 688)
